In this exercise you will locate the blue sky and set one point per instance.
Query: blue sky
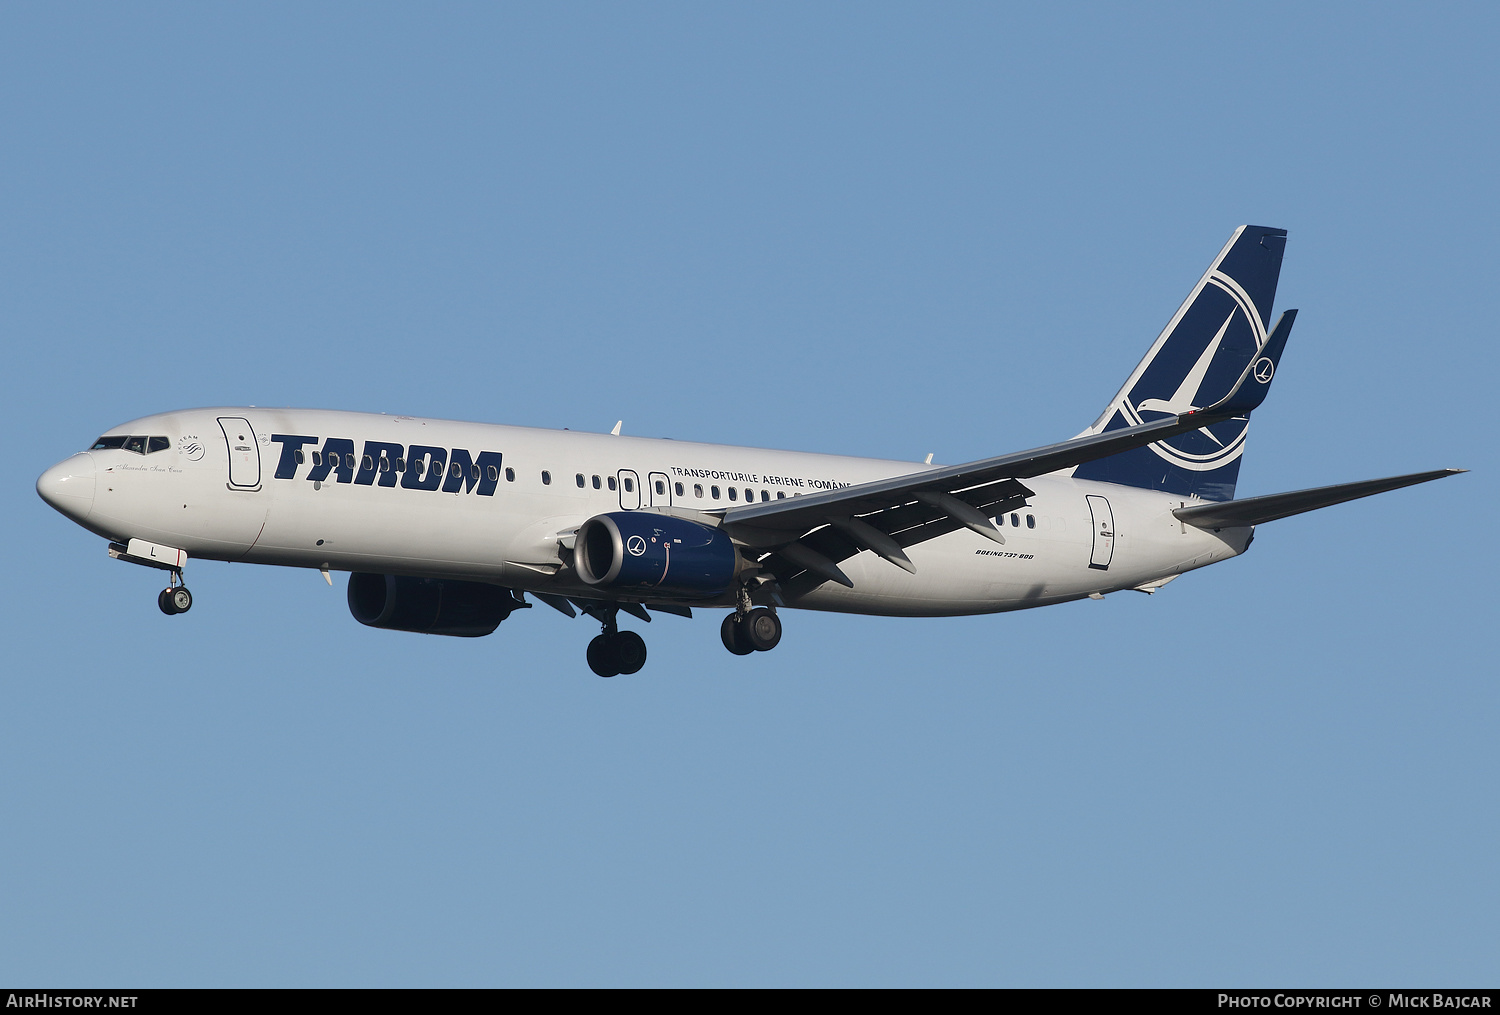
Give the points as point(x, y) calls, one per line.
point(864, 229)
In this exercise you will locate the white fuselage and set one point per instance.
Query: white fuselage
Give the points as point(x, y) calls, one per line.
point(218, 497)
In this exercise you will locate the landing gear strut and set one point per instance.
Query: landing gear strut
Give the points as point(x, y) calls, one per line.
point(615, 651)
point(175, 598)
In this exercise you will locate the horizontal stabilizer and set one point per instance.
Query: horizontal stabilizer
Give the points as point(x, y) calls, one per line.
point(1254, 510)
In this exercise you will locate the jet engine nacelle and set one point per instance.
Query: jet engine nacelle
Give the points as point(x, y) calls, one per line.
point(647, 552)
point(428, 606)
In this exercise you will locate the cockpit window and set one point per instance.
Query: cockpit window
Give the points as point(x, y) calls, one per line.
point(140, 445)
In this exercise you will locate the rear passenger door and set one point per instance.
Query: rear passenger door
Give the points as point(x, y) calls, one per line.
point(1104, 533)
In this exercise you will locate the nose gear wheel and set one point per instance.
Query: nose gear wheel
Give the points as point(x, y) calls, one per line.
point(175, 598)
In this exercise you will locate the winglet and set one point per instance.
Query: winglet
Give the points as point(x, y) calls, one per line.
point(1250, 390)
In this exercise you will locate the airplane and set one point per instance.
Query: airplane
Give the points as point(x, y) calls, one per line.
point(447, 527)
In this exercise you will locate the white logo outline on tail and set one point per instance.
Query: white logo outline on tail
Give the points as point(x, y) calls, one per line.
point(1183, 401)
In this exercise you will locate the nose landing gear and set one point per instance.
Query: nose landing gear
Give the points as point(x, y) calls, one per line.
point(175, 598)
point(615, 651)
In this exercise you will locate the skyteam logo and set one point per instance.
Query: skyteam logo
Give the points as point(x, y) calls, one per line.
point(1187, 373)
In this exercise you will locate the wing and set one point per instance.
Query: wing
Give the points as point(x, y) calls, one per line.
point(803, 539)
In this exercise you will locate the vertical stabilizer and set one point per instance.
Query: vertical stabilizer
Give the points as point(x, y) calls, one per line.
point(1198, 357)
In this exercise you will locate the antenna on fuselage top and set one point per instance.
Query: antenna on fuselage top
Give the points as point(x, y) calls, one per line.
point(616, 431)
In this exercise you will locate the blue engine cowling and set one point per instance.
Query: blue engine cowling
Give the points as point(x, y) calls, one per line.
point(429, 606)
point(647, 552)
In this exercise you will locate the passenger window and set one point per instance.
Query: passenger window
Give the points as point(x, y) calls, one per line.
point(109, 443)
point(579, 480)
point(367, 463)
point(385, 464)
point(765, 495)
point(1031, 521)
point(733, 493)
point(698, 490)
point(679, 489)
point(400, 465)
point(348, 459)
point(546, 478)
point(610, 482)
point(780, 495)
point(714, 492)
point(1015, 519)
point(629, 485)
point(510, 475)
point(298, 456)
point(492, 473)
point(661, 488)
point(158, 444)
point(317, 458)
point(596, 482)
point(136, 444)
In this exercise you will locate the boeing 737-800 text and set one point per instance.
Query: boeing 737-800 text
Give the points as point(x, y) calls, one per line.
point(447, 527)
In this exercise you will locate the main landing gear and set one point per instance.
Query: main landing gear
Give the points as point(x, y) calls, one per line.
point(749, 630)
point(175, 598)
point(615, 651)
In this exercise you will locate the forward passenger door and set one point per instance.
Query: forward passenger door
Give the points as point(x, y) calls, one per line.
point(244, 452)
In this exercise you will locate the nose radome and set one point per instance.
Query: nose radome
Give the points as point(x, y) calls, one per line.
point(69, 486)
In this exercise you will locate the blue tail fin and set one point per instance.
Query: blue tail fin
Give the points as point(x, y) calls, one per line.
point(1195, 361)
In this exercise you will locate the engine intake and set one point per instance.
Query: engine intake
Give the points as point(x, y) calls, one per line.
point(641, 550)
point(427, 605)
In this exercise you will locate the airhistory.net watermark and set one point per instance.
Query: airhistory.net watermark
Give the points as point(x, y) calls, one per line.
point(41, 999)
